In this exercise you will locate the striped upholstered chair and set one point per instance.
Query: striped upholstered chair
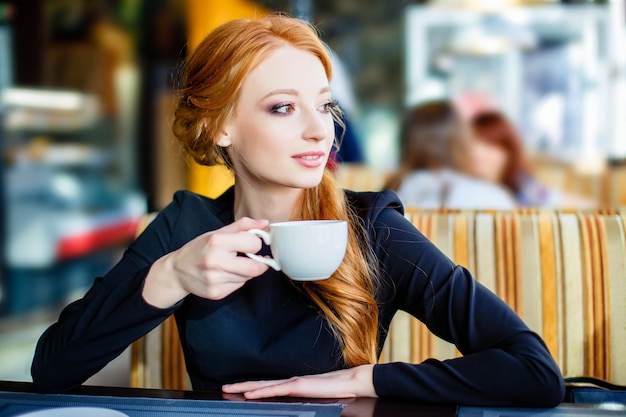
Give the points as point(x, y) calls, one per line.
point(564, 273)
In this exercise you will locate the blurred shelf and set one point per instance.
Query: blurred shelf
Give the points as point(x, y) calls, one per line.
point(95, 235)
point(40, 110)
point(56, 156)
point(39, 237)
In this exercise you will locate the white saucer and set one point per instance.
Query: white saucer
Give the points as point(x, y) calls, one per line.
point(74, 412)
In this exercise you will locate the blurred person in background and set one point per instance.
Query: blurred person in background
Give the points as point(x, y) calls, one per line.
point(498, 157)
point(436, 145)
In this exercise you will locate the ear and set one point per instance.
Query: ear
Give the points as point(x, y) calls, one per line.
point(225, 137)
point(224, 140)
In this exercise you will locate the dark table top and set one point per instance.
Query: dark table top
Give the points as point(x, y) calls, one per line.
point(357, 407)
point(154, 402)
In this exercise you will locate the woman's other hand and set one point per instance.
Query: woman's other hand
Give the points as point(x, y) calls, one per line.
point(345, 383)
point(208, 266)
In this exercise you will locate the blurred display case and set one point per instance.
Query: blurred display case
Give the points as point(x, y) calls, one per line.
point(67, 207)
point(556, 70)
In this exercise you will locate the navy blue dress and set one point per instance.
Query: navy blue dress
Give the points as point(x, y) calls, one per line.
point(268, 329)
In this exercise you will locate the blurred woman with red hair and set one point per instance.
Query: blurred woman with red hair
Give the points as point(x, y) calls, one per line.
point(498, 156)
point(435, 169)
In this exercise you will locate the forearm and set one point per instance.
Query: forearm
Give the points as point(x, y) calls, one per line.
point(493, 377)
point(91, 332)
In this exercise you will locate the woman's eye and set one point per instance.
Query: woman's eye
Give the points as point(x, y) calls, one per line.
point(328, 107)
point(282, 108)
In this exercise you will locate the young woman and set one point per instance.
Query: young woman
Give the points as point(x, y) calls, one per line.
point(435, 165)
point(255, 96)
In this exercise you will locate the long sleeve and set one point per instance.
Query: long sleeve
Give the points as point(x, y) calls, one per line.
point(503, 363)
point(95, 329)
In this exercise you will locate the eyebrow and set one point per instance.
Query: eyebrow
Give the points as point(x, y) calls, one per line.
point(292, 92)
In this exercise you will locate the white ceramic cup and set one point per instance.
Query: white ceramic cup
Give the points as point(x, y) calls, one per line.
point(306, 250)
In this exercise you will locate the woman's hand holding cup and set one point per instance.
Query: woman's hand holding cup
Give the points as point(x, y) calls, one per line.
point(207, 266)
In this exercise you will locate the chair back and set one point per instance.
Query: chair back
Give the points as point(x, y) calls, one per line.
point(157, 359)
point(563, 272)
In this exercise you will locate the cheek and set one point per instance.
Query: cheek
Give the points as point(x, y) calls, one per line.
point(499, 158)
point(488, 155)
point(254, 134)
point(489, 161)
point(480, 156)
point(258, 133)
point(330, 128)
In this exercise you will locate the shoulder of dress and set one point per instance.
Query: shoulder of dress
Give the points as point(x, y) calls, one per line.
point(198, 211)
point(370, 204)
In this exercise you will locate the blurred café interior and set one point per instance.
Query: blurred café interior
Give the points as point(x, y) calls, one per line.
point(87, 88)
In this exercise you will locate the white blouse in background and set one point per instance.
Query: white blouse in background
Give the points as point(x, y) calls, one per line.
point(449, 189)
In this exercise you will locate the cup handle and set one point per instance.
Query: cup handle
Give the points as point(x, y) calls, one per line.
point(268, 241)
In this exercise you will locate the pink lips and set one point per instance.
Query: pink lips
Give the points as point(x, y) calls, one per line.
point(310, 159)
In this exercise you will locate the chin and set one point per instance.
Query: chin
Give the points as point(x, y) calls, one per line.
point(306, 183)
point(306, 186)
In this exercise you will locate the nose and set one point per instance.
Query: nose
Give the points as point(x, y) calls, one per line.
point(317, 126)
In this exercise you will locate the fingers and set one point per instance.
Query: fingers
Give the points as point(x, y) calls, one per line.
point(280, 390)
point(222, 269)
point(232, 272)
point(242, 387)
point(222, 251)
point(265, 389)
point(235, 237)
point(243, 267)
point(306, 387)
point(234, 242)
point(233, 397)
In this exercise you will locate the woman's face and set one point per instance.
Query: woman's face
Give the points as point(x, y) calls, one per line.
point(489, 161)
point(282, 132)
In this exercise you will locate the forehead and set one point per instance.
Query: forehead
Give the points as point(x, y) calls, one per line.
point(286, 68)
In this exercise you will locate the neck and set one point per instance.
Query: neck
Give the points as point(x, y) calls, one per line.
point(275, 205)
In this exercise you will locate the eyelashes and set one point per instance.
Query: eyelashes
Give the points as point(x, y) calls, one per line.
point(289, 107)
point(282, 108)
point(331, 106)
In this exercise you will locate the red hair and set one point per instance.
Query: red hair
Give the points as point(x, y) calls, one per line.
point(496, 129)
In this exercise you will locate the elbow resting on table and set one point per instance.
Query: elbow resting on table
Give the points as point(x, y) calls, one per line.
point(554, 392)
point(45, 384)
point(54, 376)
point(41, 382)
point(549, 389)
